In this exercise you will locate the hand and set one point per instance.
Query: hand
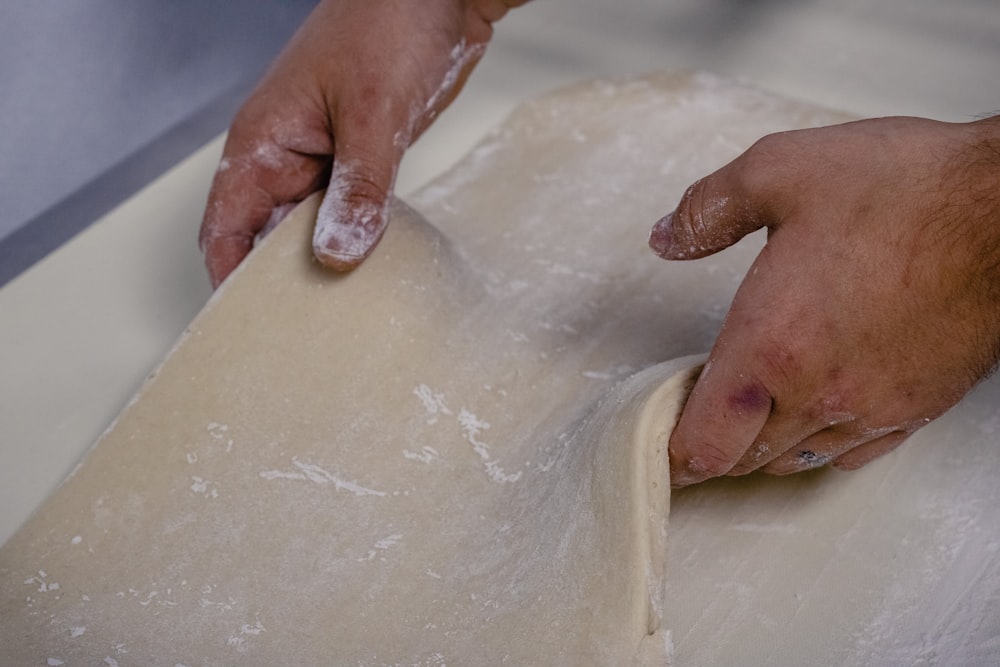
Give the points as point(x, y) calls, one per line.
point(873, 307)
point(359, 82)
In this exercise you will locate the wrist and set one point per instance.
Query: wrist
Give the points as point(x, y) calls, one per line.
point(975, 192)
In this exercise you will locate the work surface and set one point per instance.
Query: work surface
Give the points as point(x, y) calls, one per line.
point(897, 561)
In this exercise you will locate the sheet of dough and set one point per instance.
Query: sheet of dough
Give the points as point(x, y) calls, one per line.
point(449, 456)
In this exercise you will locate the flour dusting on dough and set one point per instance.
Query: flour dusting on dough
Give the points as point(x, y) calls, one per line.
point(748, 527)
point(278, 474)
point(381, 546)
point(317, 475)
point(425, 455)
point(44, 586)
point(204, 487)
point(219, 433)
point(206, 603)
point(433, 402)
point(239, 642)
point(471, 427)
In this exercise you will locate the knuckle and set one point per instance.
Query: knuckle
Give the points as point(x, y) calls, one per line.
point(749, 399)
point(767, 154)
point(356, 183)
point(781, 363)
point(709, 460)
point(758, 455)
point(763, 165)
point(688, 210)
point(363, 187)
point(834, 407)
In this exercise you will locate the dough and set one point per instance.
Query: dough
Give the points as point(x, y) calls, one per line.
point(454, 455)
point(381, 516)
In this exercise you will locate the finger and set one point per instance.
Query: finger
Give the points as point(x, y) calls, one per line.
point(464, 57)
point(722, 418)
point(776, 439)
point(233, 216)
point(809, 435)
point(256, 182)
point(868, 452)
point(714, 213)
point(741, 197)
point(830, 446)
point(813, 452)
point(804, 456)
point(369, 147)
point(355, 209)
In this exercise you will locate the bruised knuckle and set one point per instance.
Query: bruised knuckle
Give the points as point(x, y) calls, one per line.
point(749, 398)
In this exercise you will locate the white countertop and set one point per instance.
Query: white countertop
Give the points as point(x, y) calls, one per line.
point(82, 328)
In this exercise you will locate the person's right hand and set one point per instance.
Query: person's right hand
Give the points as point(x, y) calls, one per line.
point(359, 82)
point(872, 308)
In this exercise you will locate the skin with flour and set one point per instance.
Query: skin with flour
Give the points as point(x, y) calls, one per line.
point(358, 83)
point(869, 313)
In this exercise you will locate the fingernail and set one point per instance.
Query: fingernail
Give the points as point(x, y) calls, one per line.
point(661, 238)
point(345, 235)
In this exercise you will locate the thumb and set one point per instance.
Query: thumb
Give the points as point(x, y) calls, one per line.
point(355, 209)
point(714, 213)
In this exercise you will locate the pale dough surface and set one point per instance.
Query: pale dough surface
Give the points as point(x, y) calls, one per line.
point(454, 455)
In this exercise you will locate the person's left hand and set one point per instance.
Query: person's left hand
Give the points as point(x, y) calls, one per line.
point(872, 309)
point(359, 82)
